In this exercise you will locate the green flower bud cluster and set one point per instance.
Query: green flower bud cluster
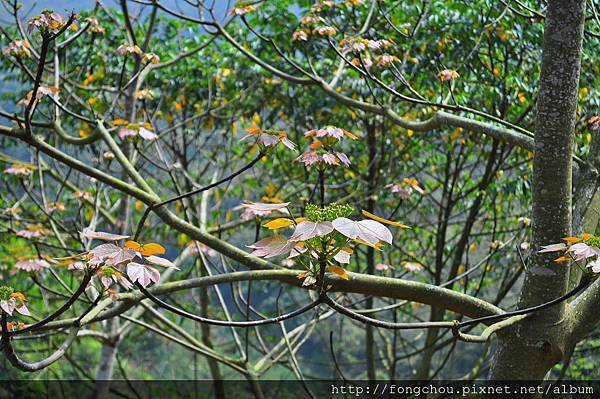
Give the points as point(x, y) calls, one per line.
point(5, 293)
point(329, 213)
point(593, 242)
point(108, 272)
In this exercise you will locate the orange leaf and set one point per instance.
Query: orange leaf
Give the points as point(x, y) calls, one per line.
point(152, 249)
point(339, 271)
point(254, 130)
point(571, 240)
point(120, 122)
point(302, 275)
point(136, 246)
point(18, 295)
point(562, 259)
point(350, 135)
point(272, 200)
point(585, 236)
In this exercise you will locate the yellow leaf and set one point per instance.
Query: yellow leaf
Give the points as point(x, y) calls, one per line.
point(256, 119)
point(120, 122)
point(456, 133)
point(300, 220)
point(460, 270)
point(278, 223)
point(382, 220)
point(376, 246)
point(472, 247)
point(339, 271)
point(182, 240)
point(139, 205)
point(501, 35)
point(270, 189)
point(209, 123)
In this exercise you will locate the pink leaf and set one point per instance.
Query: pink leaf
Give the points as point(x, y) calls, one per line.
point(142, 274)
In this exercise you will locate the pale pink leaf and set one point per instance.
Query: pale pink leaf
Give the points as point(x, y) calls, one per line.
point(142, 274)
point(23, 310)
point(8, 306)
point(342, 257)
point(553, 247)
point(157, 260)
point(308, 229)
point(99, 235)
point(261, 206)
point(370, 231)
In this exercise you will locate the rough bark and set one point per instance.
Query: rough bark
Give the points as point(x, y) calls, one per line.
point(531, 348)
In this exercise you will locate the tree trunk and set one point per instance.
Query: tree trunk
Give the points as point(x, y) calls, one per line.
point(530, 349)
point(424, 367)
point(107, 361)
point(370, 207)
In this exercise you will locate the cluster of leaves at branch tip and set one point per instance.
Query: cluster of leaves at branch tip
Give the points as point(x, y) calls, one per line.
point(328, 213)
point(584, 251)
